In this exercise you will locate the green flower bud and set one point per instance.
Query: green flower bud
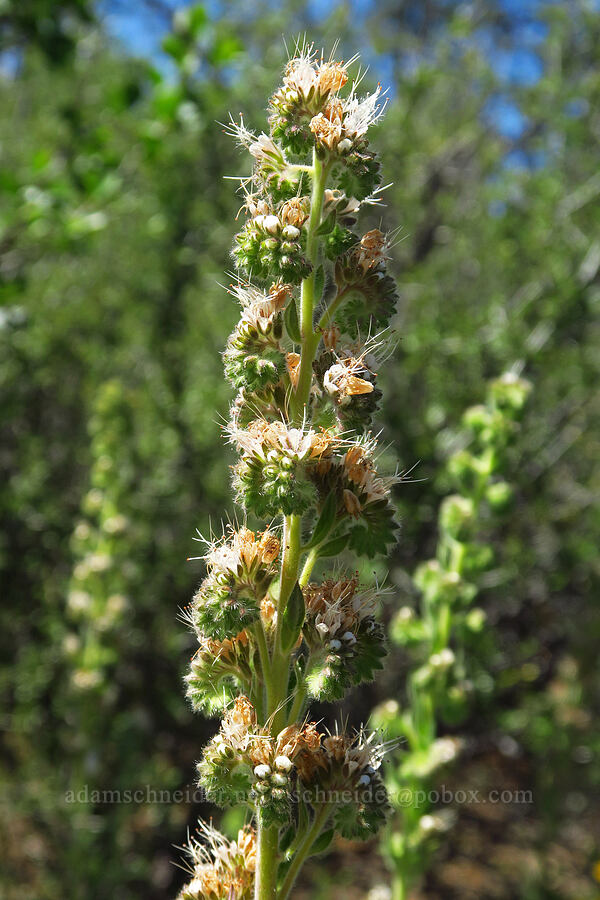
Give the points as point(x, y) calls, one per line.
point(509, 393)
point(214, 679)
point(280, 487)
point(454, 704)
point(386, 717)
point(475, 620)
point(476, 558)
point(438, 585)
point(477, 418)
point(406, 630)
point(225, 776)
point(221, 611)
point(499, 495)
point(457, 515)
point(262, 250)
point(469, 470)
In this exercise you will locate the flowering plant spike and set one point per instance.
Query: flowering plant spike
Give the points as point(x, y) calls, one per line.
point(315, 302)
point(437, 636)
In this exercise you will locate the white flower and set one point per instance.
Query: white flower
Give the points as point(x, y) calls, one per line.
point(437, 823)
point(257, 303)
point(99, 562)
point(442, 660)
point(265, 148)
point(298, 442)
point(380, 892)
point(79, 601)
point(240, 549)
point(445, 750)
point(342, 379)
point(359, 115)
point(301, 76)
point(115, 524)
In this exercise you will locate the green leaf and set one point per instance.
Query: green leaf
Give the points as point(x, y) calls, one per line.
point(283, 868)
point(303, 820)
point(376, 530)
point(166, 100)
point(334, 546)
point(292, 326)
point(175, 47)
point(286, 839)
point(322, 842)
point(226, 48)
point(325, 522)
point(293, 619)
point(198, 18)
point(327, 225)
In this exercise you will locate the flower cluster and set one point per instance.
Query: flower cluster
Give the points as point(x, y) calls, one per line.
point(286, 470)
point(103, 576)
point(360, 273)
point(345, 641)
point(246, 764)
point(308, 112)
point(346, 374)
point(346, 767)
point(272, 475)
point(254, 358)
point(272, 240)
point(307, 88)
point(221, 869)
point(364, 496)
point(240, 571)
point(304, 361)
point(218, 669)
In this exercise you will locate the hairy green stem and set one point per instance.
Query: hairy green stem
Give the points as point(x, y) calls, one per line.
point(280, 669)
point(265, 662)
point(292, 524)
point(319, 822)
point(278, 672)
point(308, 566)
point(333, 307)
point(266, 866)
point(292, 534)
point(399, 887)
point(300, 697)
point(310, 339)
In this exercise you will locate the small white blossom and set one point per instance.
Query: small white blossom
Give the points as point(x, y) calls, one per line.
point(359, 115)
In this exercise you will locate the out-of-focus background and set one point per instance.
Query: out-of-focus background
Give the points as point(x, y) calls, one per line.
point(115, 228)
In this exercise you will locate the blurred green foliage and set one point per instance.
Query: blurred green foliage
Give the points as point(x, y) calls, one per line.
point(114, 229)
